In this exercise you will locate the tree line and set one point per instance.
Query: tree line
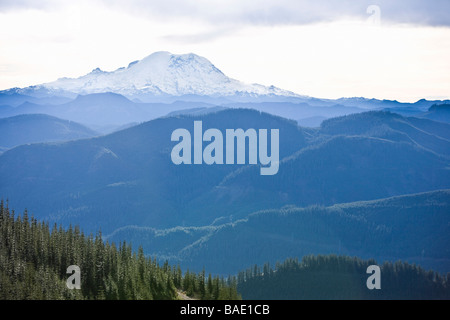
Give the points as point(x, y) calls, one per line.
point(340, 277)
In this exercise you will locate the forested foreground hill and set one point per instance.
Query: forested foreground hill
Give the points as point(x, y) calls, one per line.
point(341, 277)
point(34, 259)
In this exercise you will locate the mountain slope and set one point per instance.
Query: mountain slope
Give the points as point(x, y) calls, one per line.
point(102, 109)
point(127, 177)
point(93, 177)
point(296, 109)
point(332, 277)
point(127, 181)
point(412, 228)
point(341, 169)
point(432, 135)
point(33, 128)
point(438, 112)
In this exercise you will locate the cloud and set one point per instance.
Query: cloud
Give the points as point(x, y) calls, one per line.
point(199, 37)
point(10, 5)
point(263, 12)
point(282, 12)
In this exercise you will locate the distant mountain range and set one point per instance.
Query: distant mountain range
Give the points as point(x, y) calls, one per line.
point(163, 82)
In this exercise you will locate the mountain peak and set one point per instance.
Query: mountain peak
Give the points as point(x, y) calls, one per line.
point(103, 97)
point(97, 70)
point(163, 73)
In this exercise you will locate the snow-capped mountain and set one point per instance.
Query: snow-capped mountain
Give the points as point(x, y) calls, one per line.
point(162, 73)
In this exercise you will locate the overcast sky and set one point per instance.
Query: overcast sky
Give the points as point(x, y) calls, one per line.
point(386, 49)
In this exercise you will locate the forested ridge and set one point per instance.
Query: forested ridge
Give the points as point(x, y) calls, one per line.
point(34, 258)
point(340, 277)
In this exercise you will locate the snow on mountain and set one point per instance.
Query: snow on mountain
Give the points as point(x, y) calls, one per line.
point(163, 73)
